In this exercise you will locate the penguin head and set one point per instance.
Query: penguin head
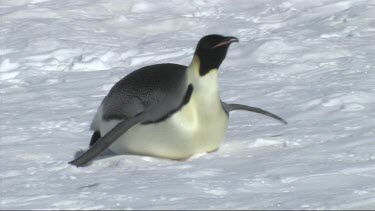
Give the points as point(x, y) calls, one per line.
point(211, 51)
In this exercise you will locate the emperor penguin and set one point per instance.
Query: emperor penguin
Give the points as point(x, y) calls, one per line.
point(167, 110)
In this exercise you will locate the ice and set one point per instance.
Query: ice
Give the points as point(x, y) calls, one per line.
point(260, 142)
point(143, 6)
point(312, 63)
point(6, 76)
point(7, 66)
point(91, 65)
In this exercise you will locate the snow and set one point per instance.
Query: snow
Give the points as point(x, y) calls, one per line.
point(310, 62)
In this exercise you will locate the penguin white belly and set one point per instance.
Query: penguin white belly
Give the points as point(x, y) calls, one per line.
point(193, 129)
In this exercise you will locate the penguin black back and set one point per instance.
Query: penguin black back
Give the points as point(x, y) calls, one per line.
point(147, 88)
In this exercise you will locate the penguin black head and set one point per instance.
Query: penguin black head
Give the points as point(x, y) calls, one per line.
point(211, 50)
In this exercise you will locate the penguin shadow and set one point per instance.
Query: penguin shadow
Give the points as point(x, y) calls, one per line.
point(108, 153)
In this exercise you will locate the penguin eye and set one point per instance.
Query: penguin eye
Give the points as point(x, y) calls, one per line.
point(214, 42)
point(208, 45)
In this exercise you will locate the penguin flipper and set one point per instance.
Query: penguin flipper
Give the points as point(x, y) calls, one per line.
point(231, 107)
point(104, 142)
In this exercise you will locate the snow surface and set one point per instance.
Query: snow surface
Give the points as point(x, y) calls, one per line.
point(311, 62)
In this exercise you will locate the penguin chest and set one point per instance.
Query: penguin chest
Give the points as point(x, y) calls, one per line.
point(196, 128)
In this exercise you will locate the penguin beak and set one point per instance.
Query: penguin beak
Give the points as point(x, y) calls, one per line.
point(227, 41)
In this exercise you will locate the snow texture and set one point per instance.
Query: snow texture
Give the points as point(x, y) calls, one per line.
point(311, 62)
